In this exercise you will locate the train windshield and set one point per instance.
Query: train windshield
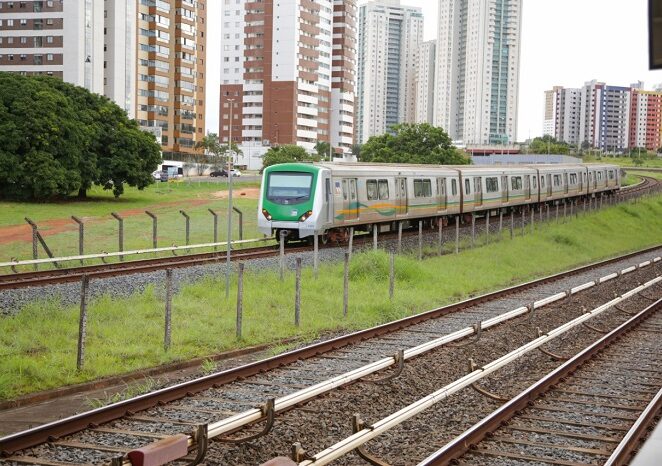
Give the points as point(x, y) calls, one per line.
point(289, 187)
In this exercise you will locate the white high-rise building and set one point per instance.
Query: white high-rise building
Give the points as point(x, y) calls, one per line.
point(425, 83)
point(478, 58)
point(390, 37)
point(120, 45)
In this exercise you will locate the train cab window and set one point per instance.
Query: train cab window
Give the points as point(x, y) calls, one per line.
point(383, 189)
point(467, 187)
point(516, 183)
point(454, 187)
point(492, 184)
point(422, 188)
point(573, 178)
point(371, 189)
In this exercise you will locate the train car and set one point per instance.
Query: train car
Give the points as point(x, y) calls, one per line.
point(328, 199)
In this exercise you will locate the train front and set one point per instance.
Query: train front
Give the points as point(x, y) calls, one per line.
point(289, 200)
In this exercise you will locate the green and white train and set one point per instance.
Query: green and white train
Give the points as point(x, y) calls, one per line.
point(328, 199)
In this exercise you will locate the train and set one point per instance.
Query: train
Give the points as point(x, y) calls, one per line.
point(330, 200)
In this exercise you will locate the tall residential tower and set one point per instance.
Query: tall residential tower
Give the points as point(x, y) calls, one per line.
point(287, 72)
point(478, 58)
point(390, 38)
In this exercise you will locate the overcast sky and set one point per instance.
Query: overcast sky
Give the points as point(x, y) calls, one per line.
point(564, 42)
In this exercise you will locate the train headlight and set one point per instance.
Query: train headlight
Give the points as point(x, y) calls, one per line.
point(266, 214)
point(305, 216)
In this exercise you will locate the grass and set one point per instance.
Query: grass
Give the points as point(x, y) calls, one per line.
point(101, 230)
point(38, 346)
point(625, 161)
point(631, 179)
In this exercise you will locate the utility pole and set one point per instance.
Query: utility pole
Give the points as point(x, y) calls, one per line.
point(229, 240)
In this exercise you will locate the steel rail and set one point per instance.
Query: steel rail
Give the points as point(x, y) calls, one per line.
point(70, 425)
point(461, 444)
point(364, 435)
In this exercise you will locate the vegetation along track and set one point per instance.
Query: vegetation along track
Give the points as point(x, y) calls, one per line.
point(316, 389)
point(75, 274)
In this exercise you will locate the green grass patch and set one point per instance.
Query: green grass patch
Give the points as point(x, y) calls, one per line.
point(38, 346)
point(655, 162)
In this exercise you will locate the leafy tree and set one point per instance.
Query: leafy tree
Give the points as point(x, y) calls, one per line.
point(287, 154)
point(356, 150)
point(548, 145)
point(322, 150)
point(412, 143)
point(210, 145)
point(59, 139)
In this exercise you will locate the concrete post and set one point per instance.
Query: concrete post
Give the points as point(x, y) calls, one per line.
point(240, 299)
point(457, 235)
point(345, 300)
point(154, 229)
point(168, 311)
point(297, 298)
point(188, 226)
point(81, 236)
point(391, 275)
point(120, 233)
point(215, 215)
point(82, 322)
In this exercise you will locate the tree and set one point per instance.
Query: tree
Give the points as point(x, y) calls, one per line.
point(59, 139)
point(356, 150)
point(210, 145)
point(322, 149)
point(413, 143)
point(548, 145)
point(287, 154)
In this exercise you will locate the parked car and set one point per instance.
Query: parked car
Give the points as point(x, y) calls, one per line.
point(224, 172)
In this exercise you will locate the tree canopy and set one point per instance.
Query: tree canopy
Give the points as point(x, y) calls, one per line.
point(548, 145)
point(412, 143)
point(60, 139)
point(287, 154)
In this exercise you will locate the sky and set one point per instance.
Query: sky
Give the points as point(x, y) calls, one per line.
point(564, 43)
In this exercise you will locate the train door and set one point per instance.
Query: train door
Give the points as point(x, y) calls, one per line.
point(350, 199)
point(478, 191)
point(580, 180)
point(549, 185)
point(504, 189)
point(594, 174)
point(527, 187)
point(441, 192)
point(401, 196)
point(565, 182)
point(328, 196)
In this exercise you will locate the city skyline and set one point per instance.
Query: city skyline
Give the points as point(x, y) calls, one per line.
point(575, 57)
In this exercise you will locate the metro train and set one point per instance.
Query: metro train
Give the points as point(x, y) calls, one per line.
point(328, 198)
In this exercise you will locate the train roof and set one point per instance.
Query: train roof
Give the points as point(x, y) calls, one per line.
point(389, 167)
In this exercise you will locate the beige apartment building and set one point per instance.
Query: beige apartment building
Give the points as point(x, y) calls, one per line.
point(146, 55)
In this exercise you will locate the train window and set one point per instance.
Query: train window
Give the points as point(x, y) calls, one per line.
point(422, 188)
point(535, 182)
point(344, 189)
point(383, 189)
point(492, 184)
point(371, 188)
point(573, 178)
point(454, 187)
point(557, 180)
point(542, 182)
point(516, 183)
point(599, 176)
point(467, 187)
point(611, 174)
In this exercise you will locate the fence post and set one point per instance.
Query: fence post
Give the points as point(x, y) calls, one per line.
point(351, 241)
point(420, 240)
point(240, 298)
point(35, 250)
point(457, 235)
point(82, 322)
point(487, 226)
point(154, 229)
point(473, 229)
point(188, 226)
point(391, 277)
point(374, 237)
point(512, 224)
point(399, 237)
point(36, 236)
point(120, 233)
point(533, 219)
point(441, 235)
point(500, 221)
point(81, 236)
point(315, 254)
point(601, 198)
point(523, 220)
point(345, 299)
point(297, 297)
point(564, 211)
point(283, 234)
point(168, 310)
point(241, 222)
point(215, 215)
point(557, 212)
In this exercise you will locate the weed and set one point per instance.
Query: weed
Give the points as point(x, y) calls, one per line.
point(131, 391)
point(208, 367)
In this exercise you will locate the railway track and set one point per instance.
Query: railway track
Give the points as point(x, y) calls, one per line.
point(230, 403)
point(75, 274)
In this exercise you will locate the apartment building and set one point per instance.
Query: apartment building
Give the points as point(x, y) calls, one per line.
point(425, 82)
point(390, 38)
point(562, 114)
point(287, 73)
point(646, 119)
point(62, 38)
point(478, 62)
point(170, 72)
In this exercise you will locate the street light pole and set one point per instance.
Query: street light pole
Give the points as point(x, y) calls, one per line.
point(229, 245)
